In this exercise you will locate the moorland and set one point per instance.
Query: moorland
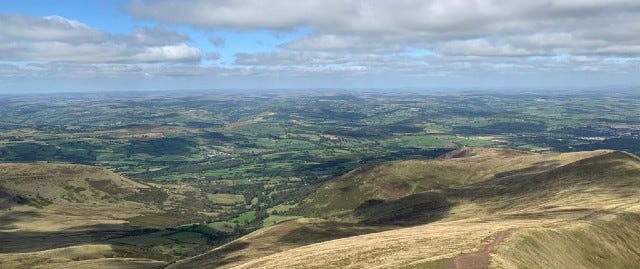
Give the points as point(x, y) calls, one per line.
point(271, 179)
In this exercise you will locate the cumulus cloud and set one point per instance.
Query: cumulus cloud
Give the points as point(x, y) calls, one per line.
point(179, 52)
point(525, 35)
point(57, 39)
point(19, 28)
point(377, 38)
point(428, 19)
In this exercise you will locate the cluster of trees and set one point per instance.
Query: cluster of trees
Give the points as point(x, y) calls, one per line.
point(73, 151)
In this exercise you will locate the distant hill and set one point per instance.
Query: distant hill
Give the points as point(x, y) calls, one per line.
point(394, 180)
point(474, 208)
point(67, 196)
point(53, 213)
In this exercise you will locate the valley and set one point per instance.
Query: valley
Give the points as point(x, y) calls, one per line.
point(402, 180)
point(519, 209)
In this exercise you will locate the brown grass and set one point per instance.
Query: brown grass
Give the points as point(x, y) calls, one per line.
point(585, 202)
point(539, 195)
point(398, 179)
point(59, 205)
point(83, 256)
point(76, 196)
point(273, 239)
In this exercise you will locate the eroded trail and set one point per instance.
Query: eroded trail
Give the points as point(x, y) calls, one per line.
point(480, 259)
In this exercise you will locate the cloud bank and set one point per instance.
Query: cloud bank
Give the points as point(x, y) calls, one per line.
point(453, 35)
point(54, 44)
point(408, 38)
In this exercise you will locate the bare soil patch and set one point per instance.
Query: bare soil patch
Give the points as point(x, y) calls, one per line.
point(480, 259)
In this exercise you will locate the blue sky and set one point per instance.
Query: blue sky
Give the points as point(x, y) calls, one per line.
point(48, 45)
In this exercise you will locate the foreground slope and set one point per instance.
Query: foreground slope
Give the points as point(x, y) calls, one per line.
point(53, 197)
point(76, 257)
point(281, 237)
point(394, 180)
point(495, 208)
point(52, 214)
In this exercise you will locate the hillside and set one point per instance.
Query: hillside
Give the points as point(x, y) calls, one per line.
point(476, 208)
point(53, 197)
point(78, 216)
point(394, 180)
point(273, 239)
point(61, 215)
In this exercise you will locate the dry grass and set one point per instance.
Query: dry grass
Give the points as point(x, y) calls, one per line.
point(46, 206)
point(393, 249)
point(114, 263)
point(273, 239)
point(76, 257)
point(55, 197)
point(401, 178)
point(427, 246)
point(61, 197)
point(586, 202)
point(573, 197)
point(613, 243)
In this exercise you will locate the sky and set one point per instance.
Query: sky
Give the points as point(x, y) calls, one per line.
point(100, 45)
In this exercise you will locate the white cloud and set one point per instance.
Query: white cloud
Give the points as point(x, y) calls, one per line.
point(408, 37)
point(494, 29)
point(483, 47)
point(180, 52)
point(57, 39)
point(17, 28)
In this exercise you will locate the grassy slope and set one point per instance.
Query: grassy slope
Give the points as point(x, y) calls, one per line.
point(76, 257)
point(603, 244)
point(273, 239)
point(398, 179)
point(54, 197)
point(485, 191)
point(492, 191)
point(55, 206)
point(53, 210)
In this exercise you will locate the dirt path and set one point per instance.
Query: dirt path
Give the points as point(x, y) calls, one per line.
point(480, 259)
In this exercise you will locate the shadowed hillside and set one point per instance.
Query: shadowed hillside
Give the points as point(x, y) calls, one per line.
point(454, 171)
point(64, 196)
point(87, 214)
point(284, 236)
point(54, 214)
point(472, 208)
point(463, 208)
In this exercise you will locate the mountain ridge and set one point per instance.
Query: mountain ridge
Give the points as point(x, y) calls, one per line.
point(527, 193)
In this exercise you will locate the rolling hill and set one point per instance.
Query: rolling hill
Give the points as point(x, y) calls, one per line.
point(273, 239)
point(78, 216)
point(52, 197)
point(474, 208)
point(53, 214)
